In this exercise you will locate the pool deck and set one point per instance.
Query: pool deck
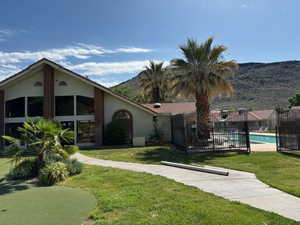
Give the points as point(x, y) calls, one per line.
point(263, 147)
point(267, 147)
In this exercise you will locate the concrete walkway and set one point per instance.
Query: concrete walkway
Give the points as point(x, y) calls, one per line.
point(238, 186)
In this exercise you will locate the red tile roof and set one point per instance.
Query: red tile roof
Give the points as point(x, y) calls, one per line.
point(252, 115)
point(174, 108)
point(189, 107)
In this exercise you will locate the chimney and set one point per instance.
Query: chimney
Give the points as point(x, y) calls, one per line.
point(156, 105)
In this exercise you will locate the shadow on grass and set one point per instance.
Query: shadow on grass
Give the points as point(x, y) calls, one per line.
point(295, 154)
point(161, 154)
point(7, 186)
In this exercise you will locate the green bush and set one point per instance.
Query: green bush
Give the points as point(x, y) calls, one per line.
point(73, 166)
point(26, 169)
point(54, 158)
point(71, 149)
point(53, 173)
point(115, 134)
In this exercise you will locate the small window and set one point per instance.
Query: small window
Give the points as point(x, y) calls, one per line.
point(35, 106)
point(64, 105)
point(62, 83)
point(15, 108)
point(122, 115)
point(85, 105)
point(38, 84)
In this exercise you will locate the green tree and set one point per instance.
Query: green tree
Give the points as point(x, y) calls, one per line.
point(154, 81)
point(130, 93)
point(202, 74)
point(295, 100)
point(42, 139)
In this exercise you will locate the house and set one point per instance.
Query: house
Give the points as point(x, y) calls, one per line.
point(259, 120)
point(46, 89)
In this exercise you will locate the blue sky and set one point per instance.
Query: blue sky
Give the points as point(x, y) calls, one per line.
point(111, 41)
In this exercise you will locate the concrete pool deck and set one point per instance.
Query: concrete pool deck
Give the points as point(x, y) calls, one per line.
point(266, 147)
point(263, 147)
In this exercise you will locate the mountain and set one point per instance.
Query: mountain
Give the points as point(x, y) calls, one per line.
point(257, 85)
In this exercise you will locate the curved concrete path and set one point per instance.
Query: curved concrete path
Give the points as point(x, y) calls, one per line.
point(238, 186)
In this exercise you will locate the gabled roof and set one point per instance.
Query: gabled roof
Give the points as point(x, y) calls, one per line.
point(56, 66)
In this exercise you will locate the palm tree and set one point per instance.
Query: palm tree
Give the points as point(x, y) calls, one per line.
point(202, 75)
point(154, 81)
point(43, 139)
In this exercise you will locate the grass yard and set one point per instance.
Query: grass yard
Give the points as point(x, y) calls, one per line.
point(276, 169)
point(129, 198)
point(22, 204)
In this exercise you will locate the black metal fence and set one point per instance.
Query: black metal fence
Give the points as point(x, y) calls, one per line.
point(221, 138)
point(288, 130)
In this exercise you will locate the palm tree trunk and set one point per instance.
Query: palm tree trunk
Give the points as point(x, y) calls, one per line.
point(202, 109)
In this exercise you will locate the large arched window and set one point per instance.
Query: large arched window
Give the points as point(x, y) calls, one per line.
point(124, 117)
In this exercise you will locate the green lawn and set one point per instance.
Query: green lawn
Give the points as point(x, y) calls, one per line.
point(130, 198)
point(22, 204)
point(276, 169)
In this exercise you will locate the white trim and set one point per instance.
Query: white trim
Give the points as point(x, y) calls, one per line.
point(71, 118)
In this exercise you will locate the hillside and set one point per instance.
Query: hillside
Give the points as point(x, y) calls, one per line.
point(257, 85)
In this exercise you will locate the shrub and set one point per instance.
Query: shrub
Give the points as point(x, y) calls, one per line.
point(73, 166)
point(71, 149)
point(53, 173)
point(115, 134)
point(54, 158)
point(26, 169)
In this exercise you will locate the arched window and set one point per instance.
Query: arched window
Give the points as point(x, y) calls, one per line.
point(38, 84)
point(62, 83)
point(122, 115)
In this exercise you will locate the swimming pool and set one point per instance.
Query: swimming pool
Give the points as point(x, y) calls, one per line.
point(262, 138)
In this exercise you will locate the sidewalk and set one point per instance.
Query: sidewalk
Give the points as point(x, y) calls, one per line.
point(238, 186)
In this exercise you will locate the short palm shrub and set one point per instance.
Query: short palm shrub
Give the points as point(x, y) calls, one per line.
point(73, 166)
point(25, 169)
point(54, 158)
point(53, 173)
point(115, 134)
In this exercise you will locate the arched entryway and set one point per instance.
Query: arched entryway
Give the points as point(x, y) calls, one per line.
point(124, 117)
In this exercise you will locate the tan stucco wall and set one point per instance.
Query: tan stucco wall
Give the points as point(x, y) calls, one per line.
point(24, 87)
point(74, 85)
point(142, 121)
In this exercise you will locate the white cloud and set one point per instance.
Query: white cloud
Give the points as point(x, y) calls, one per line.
point(102, 68)
point(79, 51)
point(12, 62)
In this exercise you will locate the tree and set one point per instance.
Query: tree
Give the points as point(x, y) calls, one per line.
point(42, 139)
point(202, 74)
point(130, 93)
point(154, 81)
point(295, 100)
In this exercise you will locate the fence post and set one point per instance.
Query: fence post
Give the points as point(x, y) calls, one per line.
point(247, 136)
point(277, 136)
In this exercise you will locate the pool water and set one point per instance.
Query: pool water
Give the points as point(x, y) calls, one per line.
point(262, 138)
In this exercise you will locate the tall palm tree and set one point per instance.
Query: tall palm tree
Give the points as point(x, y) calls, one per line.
point(202, 74)
point(154, 81)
